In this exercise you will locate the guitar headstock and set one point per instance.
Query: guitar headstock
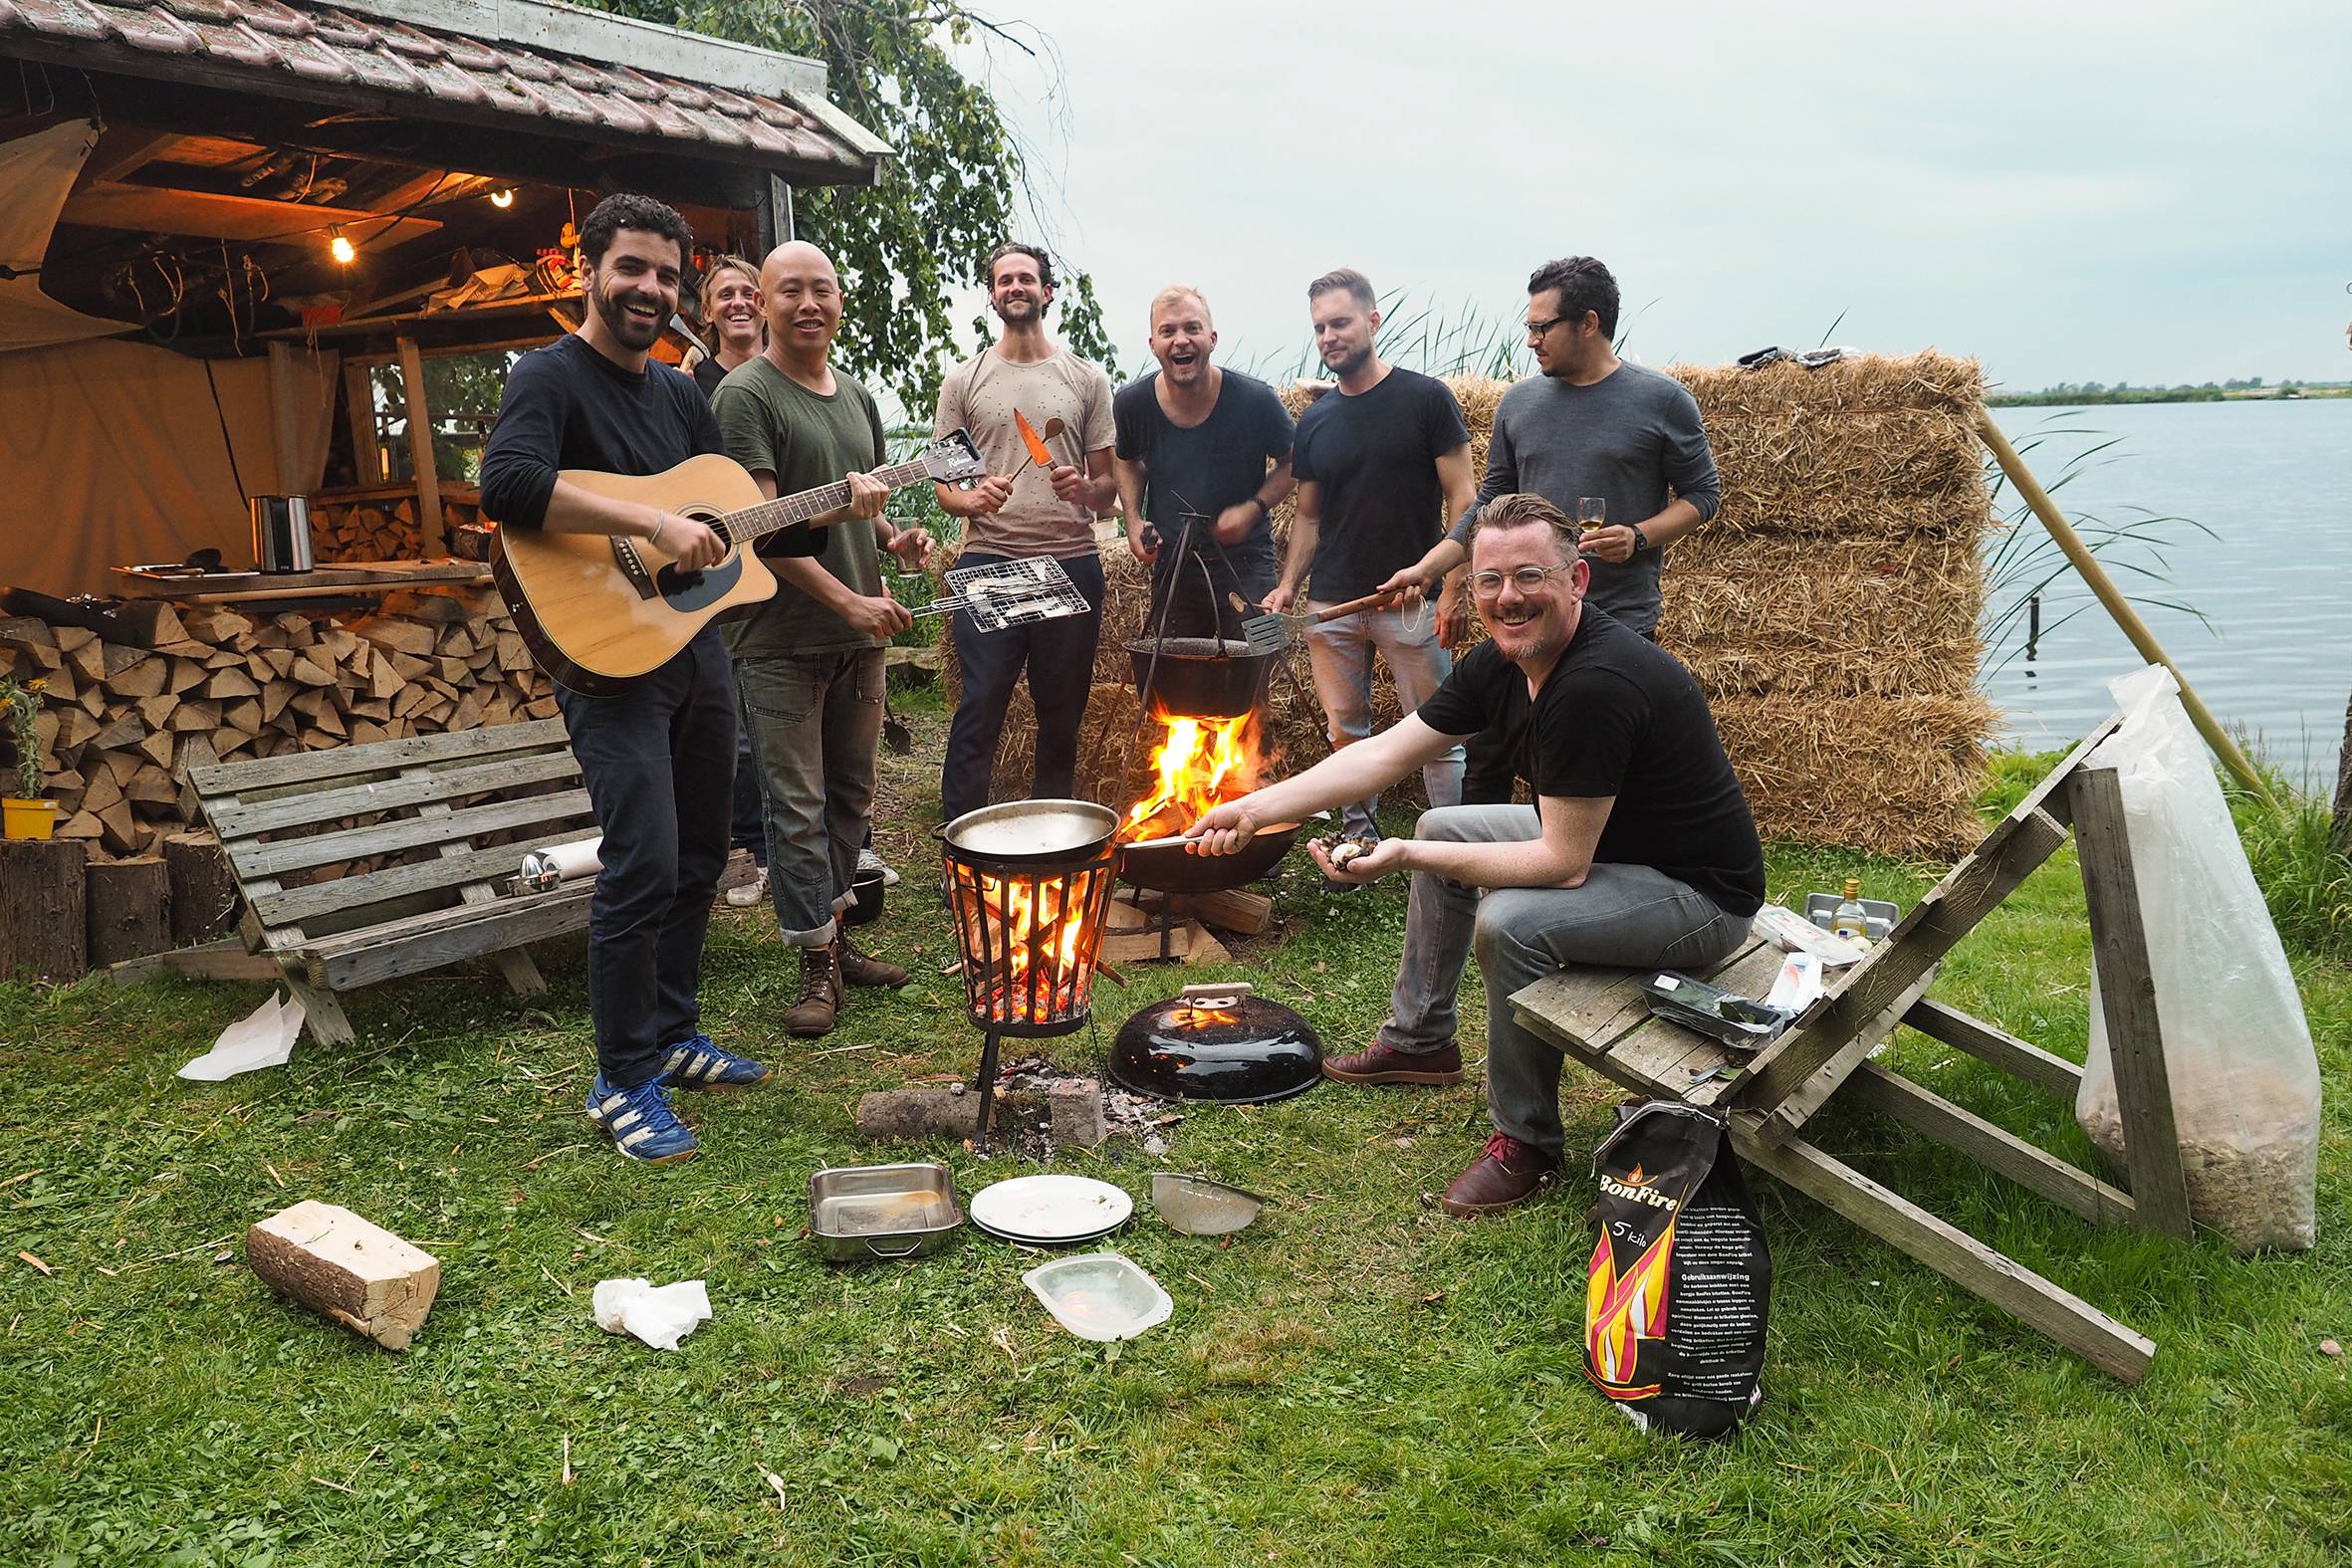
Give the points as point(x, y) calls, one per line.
point(954, 459)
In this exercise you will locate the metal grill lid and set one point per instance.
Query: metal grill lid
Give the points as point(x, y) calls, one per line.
point(1216, 1042)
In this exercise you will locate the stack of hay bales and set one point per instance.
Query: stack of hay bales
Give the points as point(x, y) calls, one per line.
point(1829, 610)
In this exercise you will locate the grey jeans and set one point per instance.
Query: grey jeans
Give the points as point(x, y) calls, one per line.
point(1339, 653)
point(815, 721)
point(1627, 916)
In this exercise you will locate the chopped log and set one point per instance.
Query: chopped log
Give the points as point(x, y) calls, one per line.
point(416, 604)
point(151, 785)
point(512, 654)
point(94, 700)
point(216, 625)
point(299, 631)
point(351, 1270)
point(274, 698)
point(81, 825)
point(65, 729)
point(128, 910)
point(203, 888)
point(456, 643)
point(125, 765)
point(224, 659)
point(104, 790)
point(126, 731)
point(244, 717)
point(279, 660)
point(159, 748)
point(118, 658)
point(119, 829)
point(309, 672)
point(149, 623)
point(155, 712)
point(41, 908)
point(187, 674)
point(399, 636)
point(201, 713)
point(231, 683)
point(31, 638)
point(143, 679)
point(407, 665)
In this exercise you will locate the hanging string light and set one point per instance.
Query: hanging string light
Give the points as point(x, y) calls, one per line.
point(503, 200)
point(339, 246)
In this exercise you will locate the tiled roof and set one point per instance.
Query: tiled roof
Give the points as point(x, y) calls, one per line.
point(313, 47)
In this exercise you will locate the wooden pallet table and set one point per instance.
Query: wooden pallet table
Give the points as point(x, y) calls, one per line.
point(1599, 1017)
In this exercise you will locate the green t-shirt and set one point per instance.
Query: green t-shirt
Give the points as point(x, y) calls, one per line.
point(773, 422)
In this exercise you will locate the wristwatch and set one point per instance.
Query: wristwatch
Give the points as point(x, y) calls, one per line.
point(1264, 511)
point(1641, 540)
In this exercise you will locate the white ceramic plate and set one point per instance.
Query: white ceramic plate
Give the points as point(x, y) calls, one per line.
point(1049, 1210)
point(1046, 1241)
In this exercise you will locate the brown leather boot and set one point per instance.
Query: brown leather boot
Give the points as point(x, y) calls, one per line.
point(1379, 1063)
point(820, 995)
point(862, 968)
point(1507, 1174)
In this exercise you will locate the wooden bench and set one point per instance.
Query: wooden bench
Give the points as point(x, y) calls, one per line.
point(1600, 1018)
point(363, 863)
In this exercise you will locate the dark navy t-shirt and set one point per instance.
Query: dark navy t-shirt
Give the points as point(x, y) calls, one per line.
point(1374, 459)
point(1619, 715)
point(1217, 462)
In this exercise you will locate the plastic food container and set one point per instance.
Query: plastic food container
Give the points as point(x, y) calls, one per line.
point(1099, 1295)
point(861, 1212)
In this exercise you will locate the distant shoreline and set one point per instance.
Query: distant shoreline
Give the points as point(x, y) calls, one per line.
point(2076, 397)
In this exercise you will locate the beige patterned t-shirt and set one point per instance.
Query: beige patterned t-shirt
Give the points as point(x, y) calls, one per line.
point(979, 395)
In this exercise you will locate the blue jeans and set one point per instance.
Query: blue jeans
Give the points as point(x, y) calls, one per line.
point(1627, 916)
point(815, 722)
point(1059, 658)
point(1341, 654)
point(658, 760)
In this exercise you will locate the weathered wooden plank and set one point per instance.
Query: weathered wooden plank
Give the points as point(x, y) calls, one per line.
point(468, 864)
point(1995, 1148)
point(2127, 995)
point(1946, 914)
point(522, 976)
point(1950, 1251)
point(243, 778)
point(1990, 1046)
point(428, 941)
point(1798, 1109)
point(247, 817)
point(1575, 1004)
point(257, 859)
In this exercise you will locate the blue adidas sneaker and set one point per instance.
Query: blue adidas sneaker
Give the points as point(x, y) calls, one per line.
point(640, 1123)
point(698, 1064)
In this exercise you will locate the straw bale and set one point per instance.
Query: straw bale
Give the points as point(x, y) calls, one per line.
point(1829, 610)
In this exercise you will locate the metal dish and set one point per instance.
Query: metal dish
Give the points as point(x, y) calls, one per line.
point(1197, 1206)
point(1172, 868)
point(860, 1213)
point(1031, 833)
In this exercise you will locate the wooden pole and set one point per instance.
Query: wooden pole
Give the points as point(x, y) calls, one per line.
point(2087, 565)
point(420, 453)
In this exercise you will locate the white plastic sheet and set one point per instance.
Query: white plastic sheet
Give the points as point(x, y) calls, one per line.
point(2236, 1046)
point(263, 1037)
point(660, 1316)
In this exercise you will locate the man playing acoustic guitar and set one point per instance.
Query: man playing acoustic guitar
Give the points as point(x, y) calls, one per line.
point(658, 755)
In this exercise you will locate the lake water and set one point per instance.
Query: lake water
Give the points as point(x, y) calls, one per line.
point(2273, 482)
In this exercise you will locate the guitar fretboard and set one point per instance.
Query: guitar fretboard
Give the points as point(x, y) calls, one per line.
point(752, 523)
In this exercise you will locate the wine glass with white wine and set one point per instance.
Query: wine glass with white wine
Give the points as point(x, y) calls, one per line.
point(1591, 514)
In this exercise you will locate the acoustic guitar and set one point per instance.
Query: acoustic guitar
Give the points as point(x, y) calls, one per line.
point(597, 612)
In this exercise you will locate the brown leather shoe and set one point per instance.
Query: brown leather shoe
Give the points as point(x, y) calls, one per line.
point(864, 968)
point(820, 995)
point(1506, 1174)
point(1382, 1063)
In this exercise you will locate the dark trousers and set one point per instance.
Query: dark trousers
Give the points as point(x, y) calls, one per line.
point(1059, 658)
point(659, 761)
point(749, 830)
point(1202, 595)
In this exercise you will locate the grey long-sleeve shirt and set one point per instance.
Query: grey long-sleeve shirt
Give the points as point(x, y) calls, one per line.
point(1630, 439)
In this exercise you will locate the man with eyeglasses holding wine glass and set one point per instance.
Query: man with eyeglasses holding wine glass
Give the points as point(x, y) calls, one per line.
point(1640, 849)
point(1618, 446)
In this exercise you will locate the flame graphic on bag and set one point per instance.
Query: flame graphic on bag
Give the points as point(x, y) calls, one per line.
point(1621, 1310)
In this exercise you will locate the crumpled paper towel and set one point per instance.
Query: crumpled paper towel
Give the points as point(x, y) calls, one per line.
point(263, 1037)
point(660, 1317)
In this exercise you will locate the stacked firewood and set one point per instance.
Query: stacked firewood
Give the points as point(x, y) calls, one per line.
point(127, 711)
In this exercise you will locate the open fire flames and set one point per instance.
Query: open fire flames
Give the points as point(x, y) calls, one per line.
point(1043, 935)
point(1199, 764)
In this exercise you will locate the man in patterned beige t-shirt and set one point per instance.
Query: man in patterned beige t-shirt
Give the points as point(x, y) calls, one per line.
point(1024, 510)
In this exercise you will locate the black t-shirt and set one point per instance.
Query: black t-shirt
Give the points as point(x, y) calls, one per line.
point(1216, 463)
point(1375, 458)
point(568, 406)
point(708, 373)
point(1618, 716)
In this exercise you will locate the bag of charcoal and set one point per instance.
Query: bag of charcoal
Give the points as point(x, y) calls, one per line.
point(1681, 1279)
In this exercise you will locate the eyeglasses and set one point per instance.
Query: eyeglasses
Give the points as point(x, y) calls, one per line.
point(1538, 328)
point(1527, 579)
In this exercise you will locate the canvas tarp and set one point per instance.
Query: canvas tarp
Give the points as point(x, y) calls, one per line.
point(117, 453)
point(36, 177)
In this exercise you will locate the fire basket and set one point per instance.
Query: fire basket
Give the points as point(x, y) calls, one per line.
point(1027, 884)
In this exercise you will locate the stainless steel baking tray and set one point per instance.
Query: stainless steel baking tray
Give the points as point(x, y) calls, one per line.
point(858, 1212)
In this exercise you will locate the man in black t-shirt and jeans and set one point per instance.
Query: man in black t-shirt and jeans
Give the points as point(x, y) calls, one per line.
point(658, 756)
point(1639, 851)
point(1194, 437)
point(1383, 465)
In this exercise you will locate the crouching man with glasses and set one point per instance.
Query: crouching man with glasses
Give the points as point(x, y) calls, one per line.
point(1639, 851)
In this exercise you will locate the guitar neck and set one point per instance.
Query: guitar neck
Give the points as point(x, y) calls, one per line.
point(790, 511)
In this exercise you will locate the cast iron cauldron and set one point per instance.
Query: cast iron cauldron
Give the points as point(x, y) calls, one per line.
point(1253, 1051)
point(1201, 677)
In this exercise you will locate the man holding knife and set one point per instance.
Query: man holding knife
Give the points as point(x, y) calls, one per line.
point(1042, 419)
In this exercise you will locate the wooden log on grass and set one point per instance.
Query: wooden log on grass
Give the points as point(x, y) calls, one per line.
point(346, 1268)
point(128, 909)
point(42, 909)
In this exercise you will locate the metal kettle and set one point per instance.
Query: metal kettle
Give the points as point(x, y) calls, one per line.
point(281, 533)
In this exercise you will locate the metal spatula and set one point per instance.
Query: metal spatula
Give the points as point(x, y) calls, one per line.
point(1269, 631)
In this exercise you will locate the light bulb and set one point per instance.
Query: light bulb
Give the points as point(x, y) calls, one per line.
point(341, 249)
point(502, 198)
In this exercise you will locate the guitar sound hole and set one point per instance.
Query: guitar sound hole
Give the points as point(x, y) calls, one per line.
point(672, 582)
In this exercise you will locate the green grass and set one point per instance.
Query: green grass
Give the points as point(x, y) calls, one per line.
point(1354, 1379)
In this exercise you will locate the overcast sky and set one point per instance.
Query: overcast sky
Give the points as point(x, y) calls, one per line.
point(2070, 191)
